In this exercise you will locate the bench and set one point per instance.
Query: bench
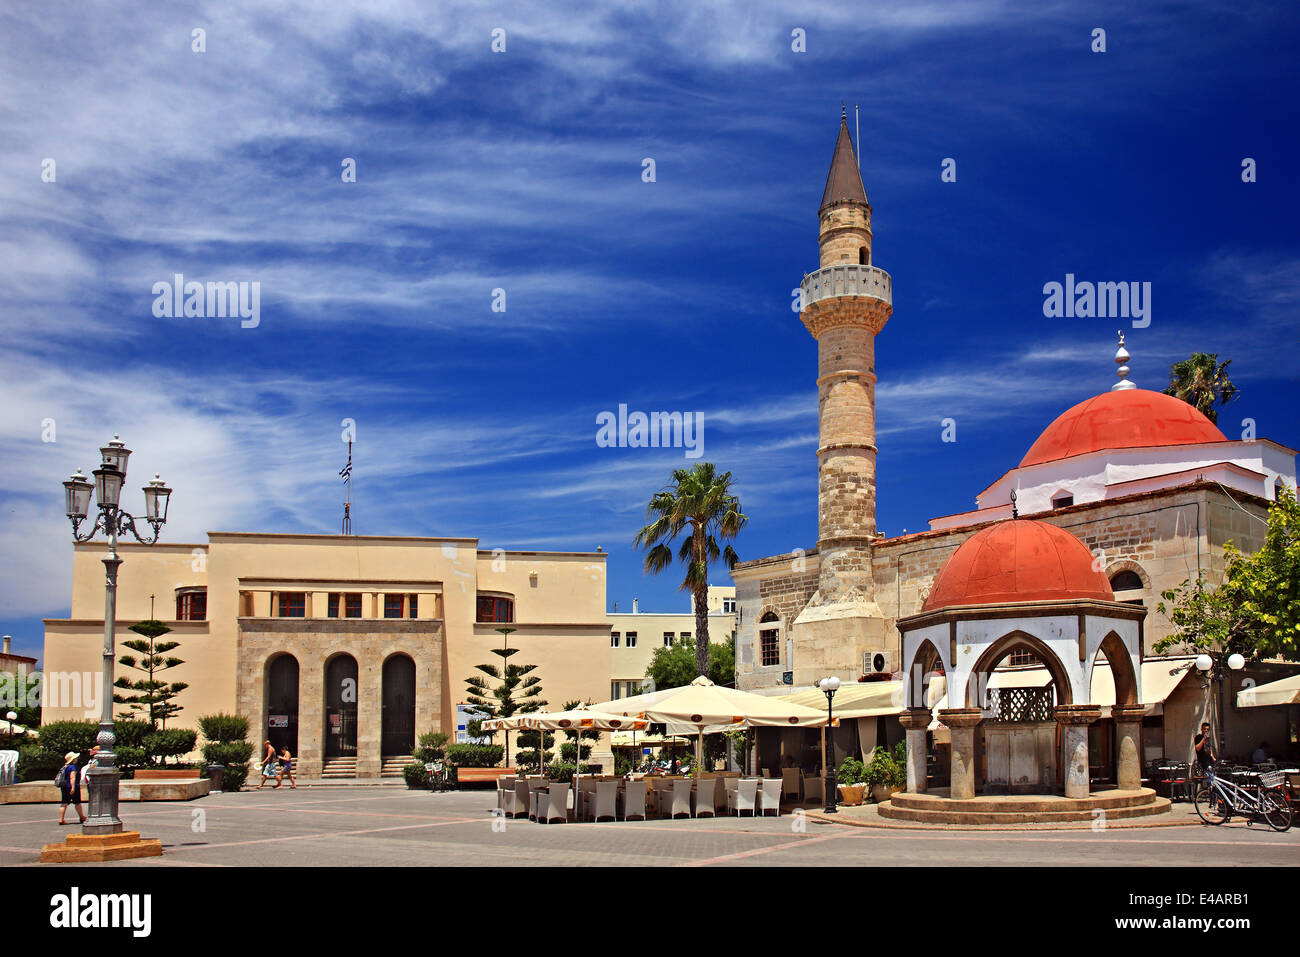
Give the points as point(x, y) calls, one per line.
point(482, 775)
point(165, 774)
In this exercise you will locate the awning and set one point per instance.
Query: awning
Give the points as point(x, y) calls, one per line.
point(1282, 691)
point(863, 699)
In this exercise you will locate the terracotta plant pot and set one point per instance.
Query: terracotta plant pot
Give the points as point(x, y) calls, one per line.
point(851, 794)
point(883, 792)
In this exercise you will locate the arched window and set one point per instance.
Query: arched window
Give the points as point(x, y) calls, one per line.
point(1127, 580)
point(495, 608)
point(769, 640)
point(191, 604)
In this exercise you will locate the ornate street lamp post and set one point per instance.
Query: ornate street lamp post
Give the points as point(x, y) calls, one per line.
point(829, 686)
point(102, 781)
point(1214, 669)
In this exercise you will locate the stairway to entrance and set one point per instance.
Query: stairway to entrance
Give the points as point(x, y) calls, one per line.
point(936, 807)
point(339, 768)
point(393, 764)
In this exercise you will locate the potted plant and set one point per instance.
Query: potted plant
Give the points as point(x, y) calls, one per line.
point(884, 775)
point(851, 776)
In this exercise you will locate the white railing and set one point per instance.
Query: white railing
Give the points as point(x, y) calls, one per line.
point(847, 280)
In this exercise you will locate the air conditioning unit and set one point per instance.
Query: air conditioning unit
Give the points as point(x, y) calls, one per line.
point(878, 663)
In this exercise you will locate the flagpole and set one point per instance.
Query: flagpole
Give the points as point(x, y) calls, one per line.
point(347, 505)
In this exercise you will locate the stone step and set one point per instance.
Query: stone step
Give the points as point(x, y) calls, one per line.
point(1024, 803)
point(953, 815)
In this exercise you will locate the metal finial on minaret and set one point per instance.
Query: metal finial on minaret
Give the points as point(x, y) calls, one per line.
point(1121, 360)
point(1015, 512)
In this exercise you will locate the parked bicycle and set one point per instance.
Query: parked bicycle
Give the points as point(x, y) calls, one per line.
point(1217, 798)
point(439, 776)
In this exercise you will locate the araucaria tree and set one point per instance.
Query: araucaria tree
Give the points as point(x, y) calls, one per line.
point(518, 690)
point(153, 696)
point(698, 505)
point(1202, 382)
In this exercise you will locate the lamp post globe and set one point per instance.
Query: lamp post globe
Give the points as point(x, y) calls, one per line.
point(1204, 662)
point(1236, 662)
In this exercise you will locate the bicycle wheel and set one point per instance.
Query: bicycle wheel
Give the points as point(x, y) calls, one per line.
point(1277, 812)
point(1210, 805)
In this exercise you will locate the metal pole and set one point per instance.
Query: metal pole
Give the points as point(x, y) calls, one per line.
point(829, 761)
point(102, 782)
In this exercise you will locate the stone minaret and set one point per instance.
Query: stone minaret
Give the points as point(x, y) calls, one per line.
point(845, 304)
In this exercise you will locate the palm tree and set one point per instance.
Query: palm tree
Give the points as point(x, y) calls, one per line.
point(700, 502)
point(1202, 382)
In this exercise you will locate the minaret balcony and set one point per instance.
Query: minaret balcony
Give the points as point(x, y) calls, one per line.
point(848, 279)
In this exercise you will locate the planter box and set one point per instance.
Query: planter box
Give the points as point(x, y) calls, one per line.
point(851, 795)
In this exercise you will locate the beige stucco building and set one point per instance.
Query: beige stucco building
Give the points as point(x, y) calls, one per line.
point(343, 648)
point(635, 635)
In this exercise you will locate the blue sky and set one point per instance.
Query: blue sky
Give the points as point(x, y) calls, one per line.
point(522, 170)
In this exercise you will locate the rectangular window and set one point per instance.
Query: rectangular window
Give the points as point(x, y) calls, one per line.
point(393, 606)
point(613, 690)
point(352, 605)
point(668, 639)
point(492, 608)
point(1063, 501)
point(192, 606)
point(293, 604)
point(413, 603)
point(613, 639)
point(684, 636)
point(633, 688)
point(728, 606)
point(631, 639)
point(769, 646)
point(1022, 656)
point(333, 611)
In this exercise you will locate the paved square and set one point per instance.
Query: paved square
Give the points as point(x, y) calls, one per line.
point(391, 826)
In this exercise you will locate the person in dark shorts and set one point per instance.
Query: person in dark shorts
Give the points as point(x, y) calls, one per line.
point(69, 781)
point(270, 764)
point(1204, 747)
point(286, 770)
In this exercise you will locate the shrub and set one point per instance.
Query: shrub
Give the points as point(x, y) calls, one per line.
point(130, 732)
point(173, 743)
point(60, 737)
point(128, 759)
point(561, 771)
point(224, 727)
point(37, 765)
point(227, 752)
point(432, 746)
point(622, 766)
point(234, 777)
point(883, 771)
point(475, 755)
point(416, 775)
point(569, 752)
point(852, 771)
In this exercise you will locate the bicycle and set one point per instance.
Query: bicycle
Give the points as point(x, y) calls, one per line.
point(1218, 799)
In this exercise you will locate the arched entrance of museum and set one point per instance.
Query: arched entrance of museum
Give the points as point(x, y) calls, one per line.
point(398, 733)
point(1018, 682)
point(341, 693)
point(281, 697)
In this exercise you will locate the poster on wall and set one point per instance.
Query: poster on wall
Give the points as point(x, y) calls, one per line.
point(464, 714)
point(278, 721)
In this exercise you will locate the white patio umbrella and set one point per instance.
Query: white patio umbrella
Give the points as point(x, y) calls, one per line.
point(1282, 691)
point(579, 719)
point(708, 708)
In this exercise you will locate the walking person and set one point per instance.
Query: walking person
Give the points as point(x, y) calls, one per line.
point(90, 765)
point(286, 768)
point(269, 765)
point(69, 782)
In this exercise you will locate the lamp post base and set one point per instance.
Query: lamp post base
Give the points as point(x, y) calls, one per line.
point(102, 785)
point(94, 848)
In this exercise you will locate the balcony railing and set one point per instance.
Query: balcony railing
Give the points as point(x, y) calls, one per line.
point(847, 280)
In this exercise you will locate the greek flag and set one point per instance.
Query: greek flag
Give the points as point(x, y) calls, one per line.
point(345, 473)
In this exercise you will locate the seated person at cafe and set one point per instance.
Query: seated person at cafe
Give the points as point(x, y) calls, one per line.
point(1261, 754)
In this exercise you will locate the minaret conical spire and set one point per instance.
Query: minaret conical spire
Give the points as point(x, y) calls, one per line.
point(844, 182)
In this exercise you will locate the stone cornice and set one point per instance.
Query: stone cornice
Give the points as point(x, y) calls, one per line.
point(1023, 609)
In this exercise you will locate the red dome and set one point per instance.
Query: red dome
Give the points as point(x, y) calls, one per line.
point(1018, 560)
point(1128, 419)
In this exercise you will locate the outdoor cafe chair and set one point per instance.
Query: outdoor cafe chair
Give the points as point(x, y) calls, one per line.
point(553, 804)
point(770, 796)
point(8, 767)
point(720, 793)
point(521, 798)
point(790, 782)
point(743, 796)
point(506, 801)
point(702, 798)
point(680, 798)
point(601, 801)
point(632, 800)
point(812, 787)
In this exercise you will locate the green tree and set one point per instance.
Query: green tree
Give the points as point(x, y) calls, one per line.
point(1202, 382)
point(673, 666)
point(517, 692)
point(1256, 609)
point(153, 696)
point(573, 749)
point(698, 502)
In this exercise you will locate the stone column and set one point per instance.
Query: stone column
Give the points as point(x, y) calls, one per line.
point(915, 721)
point(370, 710)
point(1128, 745)
point(961, 723)
point(1074, 720)
point(311, 713)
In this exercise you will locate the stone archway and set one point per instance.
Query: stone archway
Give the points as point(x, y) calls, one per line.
point(397, 733)
point(280, 701)
point(977, 682)
point(341, 694)
point(1127, 713)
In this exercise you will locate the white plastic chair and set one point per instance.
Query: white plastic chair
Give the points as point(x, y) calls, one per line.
point(770, 799)
point(681, 798)
point(702, 798)
point(553, 803)
point(8, 767)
